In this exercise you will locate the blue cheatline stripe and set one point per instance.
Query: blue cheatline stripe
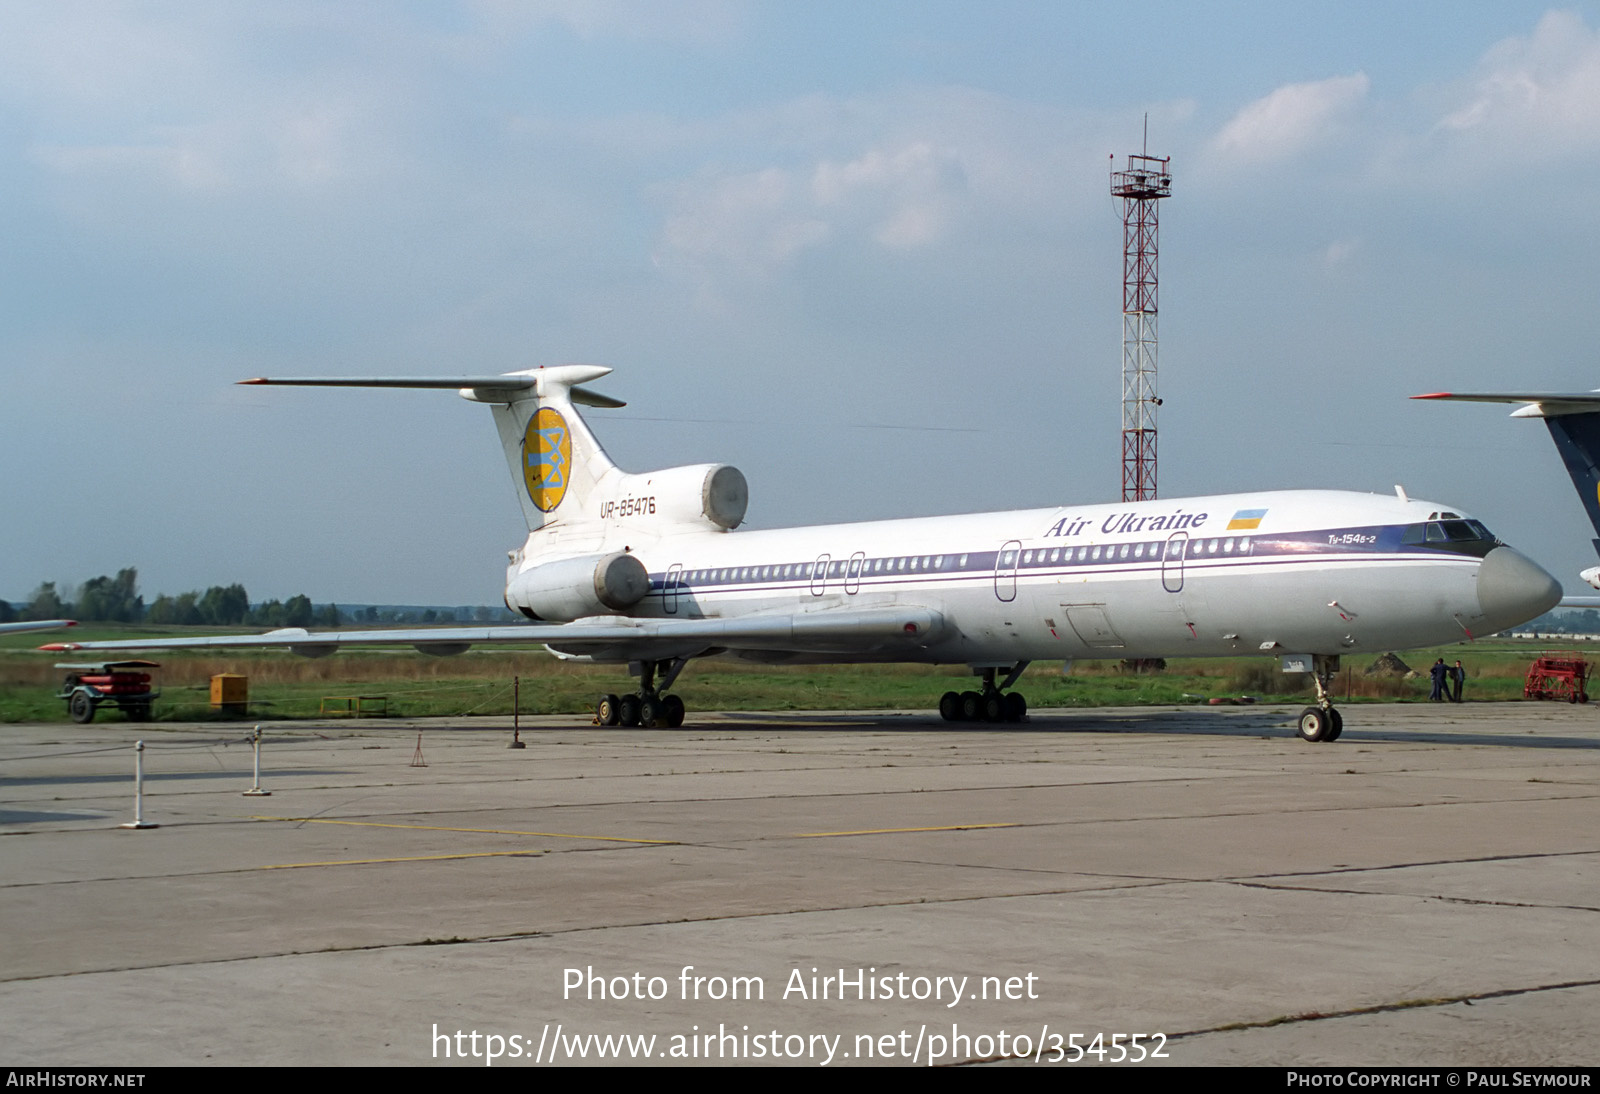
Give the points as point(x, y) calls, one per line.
point(1368, 543)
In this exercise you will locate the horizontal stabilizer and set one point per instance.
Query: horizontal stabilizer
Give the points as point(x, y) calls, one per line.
point(485, 389)
point(548, 448)
point(444, 383)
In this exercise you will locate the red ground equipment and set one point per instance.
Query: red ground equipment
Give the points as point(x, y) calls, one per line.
point(124, 683)
point(1558, 675)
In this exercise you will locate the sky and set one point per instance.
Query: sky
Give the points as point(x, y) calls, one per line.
point(865, 252)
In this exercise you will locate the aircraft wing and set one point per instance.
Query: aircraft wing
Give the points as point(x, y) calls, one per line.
point(616, 638)
point(36, 625)
point(1542, 403)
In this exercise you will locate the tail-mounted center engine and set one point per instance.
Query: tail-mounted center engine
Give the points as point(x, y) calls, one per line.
point(713, 496)
point(576, 587)
point(723, 494)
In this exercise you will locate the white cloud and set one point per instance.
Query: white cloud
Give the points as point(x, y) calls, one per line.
point(102, 62)
point(1537, 94)
point(910, 194)
point(185, 167)
point(265, 147)
point(1290, 120)
point(695, 22)
point(1340, 251)
point(753, 223)
point(193, 102)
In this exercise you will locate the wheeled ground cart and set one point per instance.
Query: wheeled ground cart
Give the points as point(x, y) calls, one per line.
point(127, 684)
point(1559, 676)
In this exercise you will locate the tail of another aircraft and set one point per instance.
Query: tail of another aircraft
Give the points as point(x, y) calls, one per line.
point(1577, 438)
point(1573, 418)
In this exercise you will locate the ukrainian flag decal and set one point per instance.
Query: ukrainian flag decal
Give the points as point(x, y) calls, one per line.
point(547, 459)
point(1246, 519)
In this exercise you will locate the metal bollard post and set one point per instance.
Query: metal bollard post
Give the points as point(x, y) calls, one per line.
point(516, 713)
point(255, 790)
point(138, 790)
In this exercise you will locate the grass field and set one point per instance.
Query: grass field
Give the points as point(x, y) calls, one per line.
point(480, 681)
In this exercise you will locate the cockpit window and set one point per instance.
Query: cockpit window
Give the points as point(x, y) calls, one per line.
point(1460, 534)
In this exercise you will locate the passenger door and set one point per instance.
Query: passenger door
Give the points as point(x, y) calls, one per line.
point(669, 592)
point(1005, 570)
point(819, 575)
point(1172, 562)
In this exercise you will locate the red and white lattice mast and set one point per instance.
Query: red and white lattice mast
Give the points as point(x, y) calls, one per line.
point(1145, 182)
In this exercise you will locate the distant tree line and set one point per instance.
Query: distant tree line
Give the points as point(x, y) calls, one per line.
point(377, 614)
point(117, 600)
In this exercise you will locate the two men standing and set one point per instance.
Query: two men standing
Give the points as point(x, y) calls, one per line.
point(1447, 681)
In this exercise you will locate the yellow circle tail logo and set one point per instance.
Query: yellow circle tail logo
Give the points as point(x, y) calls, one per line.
point(547, 459)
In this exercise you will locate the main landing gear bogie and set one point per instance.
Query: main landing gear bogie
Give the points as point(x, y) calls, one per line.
point(651, 708)
point(992, 704)
point(645, 712)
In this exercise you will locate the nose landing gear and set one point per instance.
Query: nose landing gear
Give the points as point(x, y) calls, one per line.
point(1321, 722)
point(1317, 724)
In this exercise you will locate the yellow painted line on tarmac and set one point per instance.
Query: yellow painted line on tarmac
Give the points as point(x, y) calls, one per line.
point(893, 831)
point(480, 831)
point(414, 858)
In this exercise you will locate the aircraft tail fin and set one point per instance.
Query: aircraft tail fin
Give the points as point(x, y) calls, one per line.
point(1577, 438)
point(1573, 418)
point(556, 463)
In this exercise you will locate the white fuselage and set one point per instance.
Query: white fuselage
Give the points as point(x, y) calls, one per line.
point(1322, 572)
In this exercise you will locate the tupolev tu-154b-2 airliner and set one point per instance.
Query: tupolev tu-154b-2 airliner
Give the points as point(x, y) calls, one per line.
point(646, 569)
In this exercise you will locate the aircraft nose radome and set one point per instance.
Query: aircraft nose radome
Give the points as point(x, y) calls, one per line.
point(1512, 589)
